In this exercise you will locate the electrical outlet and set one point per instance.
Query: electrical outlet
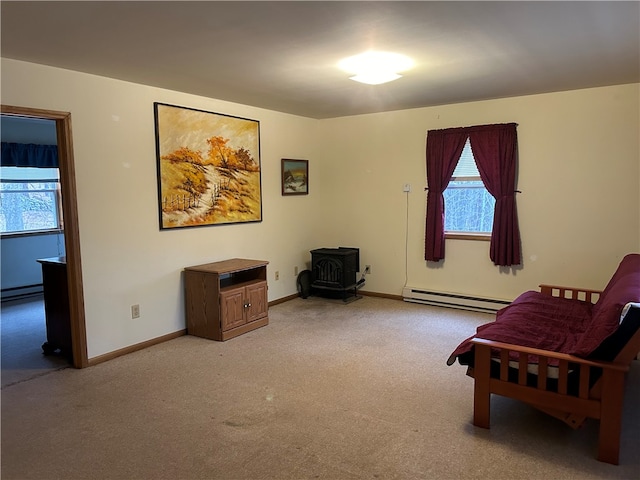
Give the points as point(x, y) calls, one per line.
point(295, 271)
point(135, 311)
point(367, 269)
point(277, 275)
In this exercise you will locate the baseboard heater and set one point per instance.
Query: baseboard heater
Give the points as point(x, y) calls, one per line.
point(453, 300)
point(23, 291)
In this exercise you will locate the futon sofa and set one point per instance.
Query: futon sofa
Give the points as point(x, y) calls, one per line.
point(562, 350)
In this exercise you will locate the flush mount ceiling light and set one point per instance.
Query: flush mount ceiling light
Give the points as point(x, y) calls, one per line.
point(375, 68)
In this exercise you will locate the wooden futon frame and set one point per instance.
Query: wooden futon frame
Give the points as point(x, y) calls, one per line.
point(584, 388)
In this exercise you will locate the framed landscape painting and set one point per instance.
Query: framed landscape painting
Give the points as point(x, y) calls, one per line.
point(208, 168)
point(295, 177)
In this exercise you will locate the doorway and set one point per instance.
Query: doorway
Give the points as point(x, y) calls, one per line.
point(70, 215)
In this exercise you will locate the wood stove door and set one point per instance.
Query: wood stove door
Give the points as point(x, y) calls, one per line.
point(328, 272)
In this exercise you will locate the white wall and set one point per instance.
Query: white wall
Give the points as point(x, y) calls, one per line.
point(579, 167)
point(126, 259)
point(579, 210)
point(19, 264)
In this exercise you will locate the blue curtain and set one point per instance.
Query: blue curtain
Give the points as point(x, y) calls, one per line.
point(29, 155)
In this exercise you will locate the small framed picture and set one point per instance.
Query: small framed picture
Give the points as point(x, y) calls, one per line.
point(295, 177)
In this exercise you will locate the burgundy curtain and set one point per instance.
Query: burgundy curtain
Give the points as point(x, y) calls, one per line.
point(495, 149)
point(444, 148)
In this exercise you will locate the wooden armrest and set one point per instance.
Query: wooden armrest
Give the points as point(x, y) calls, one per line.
point(549, 354)
point(575, 293)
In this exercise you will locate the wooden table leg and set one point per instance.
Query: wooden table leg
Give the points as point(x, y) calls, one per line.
point(611, 417)
point(481, 392)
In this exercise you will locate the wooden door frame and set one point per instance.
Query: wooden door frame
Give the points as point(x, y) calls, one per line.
point(70, 218)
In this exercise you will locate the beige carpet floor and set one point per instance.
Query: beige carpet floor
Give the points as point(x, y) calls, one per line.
point(23, 331)
point(326, 390)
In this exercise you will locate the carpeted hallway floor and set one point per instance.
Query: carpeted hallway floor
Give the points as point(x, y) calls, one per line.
point(23, 331)
point(326, 390)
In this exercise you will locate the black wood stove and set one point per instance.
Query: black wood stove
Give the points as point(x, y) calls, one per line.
point(333, 271)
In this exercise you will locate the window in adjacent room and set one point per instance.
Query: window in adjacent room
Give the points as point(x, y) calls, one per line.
point(469, 207)
point(30, 200)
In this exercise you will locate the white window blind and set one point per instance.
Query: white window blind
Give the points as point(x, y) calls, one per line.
point(29, 174)
point(466, 168)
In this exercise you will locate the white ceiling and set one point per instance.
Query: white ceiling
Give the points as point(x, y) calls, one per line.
point(282, 55)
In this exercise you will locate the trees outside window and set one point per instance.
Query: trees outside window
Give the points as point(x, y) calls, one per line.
point(468, 206)
point(30, 200)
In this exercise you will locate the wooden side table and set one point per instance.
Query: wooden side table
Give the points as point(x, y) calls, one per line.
point(226, 299)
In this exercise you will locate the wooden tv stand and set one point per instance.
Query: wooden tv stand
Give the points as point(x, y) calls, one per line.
point(226, 299)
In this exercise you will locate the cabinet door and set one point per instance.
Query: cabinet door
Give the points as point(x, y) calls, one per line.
point(232, 308)
point(257, 300)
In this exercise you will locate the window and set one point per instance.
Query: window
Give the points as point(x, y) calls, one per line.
point(469, 206)
point(495, 150)
point(29, 200)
